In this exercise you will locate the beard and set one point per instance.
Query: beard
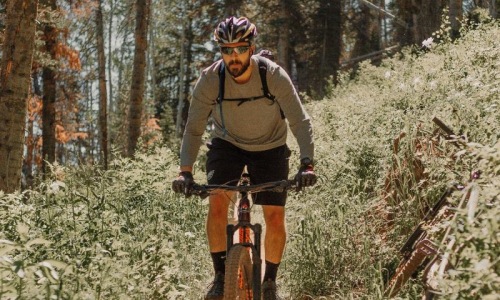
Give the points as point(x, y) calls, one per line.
point(236, 67)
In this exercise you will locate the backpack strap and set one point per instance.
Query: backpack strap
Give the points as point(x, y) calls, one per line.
point(222, 83)
point(263, 78)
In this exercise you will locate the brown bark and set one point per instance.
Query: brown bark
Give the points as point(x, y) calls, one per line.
point(187, 71)
point(283, 57)
point(17, 56)
point(103, 100)
point(184, 75)
point(138, 74)
point(368, 33)
point(110, 53)
point(232, 8)
point(423, 17)
point(330, 27)
point(49, 93)
point(456, 13)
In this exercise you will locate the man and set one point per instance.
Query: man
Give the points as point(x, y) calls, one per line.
point(249, 131)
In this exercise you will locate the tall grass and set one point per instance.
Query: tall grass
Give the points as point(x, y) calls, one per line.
point(119, 234)
point(346, 235)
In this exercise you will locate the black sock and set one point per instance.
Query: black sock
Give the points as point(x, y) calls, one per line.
point(271, 271)
point(219, 260)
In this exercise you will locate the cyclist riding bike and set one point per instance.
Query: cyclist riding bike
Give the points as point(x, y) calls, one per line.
point(249, 130)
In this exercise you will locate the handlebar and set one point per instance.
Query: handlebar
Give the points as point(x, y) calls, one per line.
point(203, 190)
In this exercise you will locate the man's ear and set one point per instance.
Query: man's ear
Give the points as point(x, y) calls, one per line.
point(252, 48)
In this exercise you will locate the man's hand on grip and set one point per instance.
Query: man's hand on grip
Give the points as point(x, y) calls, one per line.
point(305, 176)
point(184, 183)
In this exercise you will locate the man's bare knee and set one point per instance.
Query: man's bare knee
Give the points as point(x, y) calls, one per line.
point(218, 205)
point(274, 217)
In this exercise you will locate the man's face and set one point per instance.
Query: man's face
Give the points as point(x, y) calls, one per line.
point(236, 57)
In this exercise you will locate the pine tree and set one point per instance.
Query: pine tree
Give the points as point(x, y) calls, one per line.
point(49, 88)
point(17, 55)
point(103, 99)
point(138, 75)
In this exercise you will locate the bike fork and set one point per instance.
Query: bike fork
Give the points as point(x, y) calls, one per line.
point(256, 255)
point(229, 237)
point(257, 262)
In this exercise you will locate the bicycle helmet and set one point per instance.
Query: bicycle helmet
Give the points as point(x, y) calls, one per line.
point(235, 30)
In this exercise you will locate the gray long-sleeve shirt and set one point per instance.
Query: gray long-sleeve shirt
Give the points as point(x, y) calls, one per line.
point(254, 125)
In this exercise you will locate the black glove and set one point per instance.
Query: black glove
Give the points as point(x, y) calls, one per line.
point(305, 177)
point(184, 183)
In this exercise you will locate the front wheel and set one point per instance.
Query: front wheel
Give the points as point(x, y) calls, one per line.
point(238, 279)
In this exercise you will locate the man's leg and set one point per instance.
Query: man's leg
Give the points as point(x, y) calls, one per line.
point(216, 233)
point(217, 221)
point(275, 238)
point(274, 244)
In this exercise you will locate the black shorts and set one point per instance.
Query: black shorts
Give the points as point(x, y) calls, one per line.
point(225, 163)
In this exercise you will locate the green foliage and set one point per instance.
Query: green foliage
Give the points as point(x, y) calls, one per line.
point(111, 235)
point(18, 268)
point(476, 271)
point(348, 239)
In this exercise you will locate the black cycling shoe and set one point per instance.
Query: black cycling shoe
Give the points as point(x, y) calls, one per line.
point(216, 291)
point(269, 291)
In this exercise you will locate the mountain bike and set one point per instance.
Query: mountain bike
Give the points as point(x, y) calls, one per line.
point(420, 249)
point(244, 261)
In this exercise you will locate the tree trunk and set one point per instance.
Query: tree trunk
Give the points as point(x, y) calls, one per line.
point(187, 74)
point(103, 101)
point(422, 17)
point(456, 13)
point(179, 121)
point(151, 61)
point(415, 24)
point(368, 33)
point(138, 74)
point(17, 56)
point(335, 40)
point(283, 57)
point(383, 26)
point(490, 5)
point(331, 44)
point(186, 58)
point(110, 55)
point(404, 34)
point(49, 94)
point(231, 8)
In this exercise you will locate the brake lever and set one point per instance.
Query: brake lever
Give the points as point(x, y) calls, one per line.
point(200, 191)
point(204, 194)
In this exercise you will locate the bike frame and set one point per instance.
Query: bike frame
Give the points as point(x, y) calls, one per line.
point(244, 228)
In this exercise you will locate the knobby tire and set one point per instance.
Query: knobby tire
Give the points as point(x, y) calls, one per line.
point(238, 279)
point(408, 267)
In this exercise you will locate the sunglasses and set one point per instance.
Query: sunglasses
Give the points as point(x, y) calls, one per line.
point(230, 50)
